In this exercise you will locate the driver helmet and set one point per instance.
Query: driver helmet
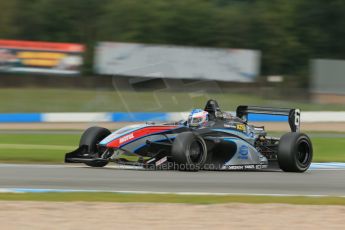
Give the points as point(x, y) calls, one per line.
point(197, 118)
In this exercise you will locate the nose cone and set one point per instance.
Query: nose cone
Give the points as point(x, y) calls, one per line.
point(117, 140)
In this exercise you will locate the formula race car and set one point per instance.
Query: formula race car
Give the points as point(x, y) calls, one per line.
point(221, 141)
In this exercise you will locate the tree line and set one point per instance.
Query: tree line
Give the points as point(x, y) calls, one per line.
point(287, 32)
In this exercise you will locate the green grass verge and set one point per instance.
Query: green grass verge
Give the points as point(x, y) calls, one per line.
point(73, 100)
point(329, 149)
point(36, 148)
point(51, 148)
point(170, 198)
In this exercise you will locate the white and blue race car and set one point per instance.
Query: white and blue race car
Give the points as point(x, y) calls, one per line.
point(224, 142)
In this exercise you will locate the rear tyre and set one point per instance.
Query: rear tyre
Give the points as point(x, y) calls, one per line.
point(91, 137)
point(189, 151)
point(295, 152)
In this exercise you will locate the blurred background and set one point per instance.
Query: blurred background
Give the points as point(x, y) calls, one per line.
point(160, 55)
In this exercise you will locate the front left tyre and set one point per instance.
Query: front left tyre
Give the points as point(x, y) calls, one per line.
point(91, 137)
point(189, 151)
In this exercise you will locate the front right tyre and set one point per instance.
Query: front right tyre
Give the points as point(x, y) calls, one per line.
point(91, 137)
point(295, 152)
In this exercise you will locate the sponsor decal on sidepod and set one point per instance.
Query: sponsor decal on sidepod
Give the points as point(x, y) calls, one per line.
point(243, 152)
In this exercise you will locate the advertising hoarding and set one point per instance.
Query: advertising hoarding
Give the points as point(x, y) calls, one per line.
point(328, 76)
point(40, 57)
point(140, 60)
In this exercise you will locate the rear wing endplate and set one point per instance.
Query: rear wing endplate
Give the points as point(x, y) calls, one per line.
point(242, 112)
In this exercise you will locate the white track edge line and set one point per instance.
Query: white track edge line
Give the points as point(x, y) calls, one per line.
point(30, 190)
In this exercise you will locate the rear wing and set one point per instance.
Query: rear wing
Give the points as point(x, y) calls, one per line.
point(242, 112)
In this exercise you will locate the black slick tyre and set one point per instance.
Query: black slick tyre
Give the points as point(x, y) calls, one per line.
point(91, 137)
point(295, 152)
point(189, 151)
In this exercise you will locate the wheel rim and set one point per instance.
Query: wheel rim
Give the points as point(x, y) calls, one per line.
point(303, 153)
point(196, 152)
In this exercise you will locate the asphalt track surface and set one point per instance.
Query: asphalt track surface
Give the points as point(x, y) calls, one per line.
point(318, 181)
